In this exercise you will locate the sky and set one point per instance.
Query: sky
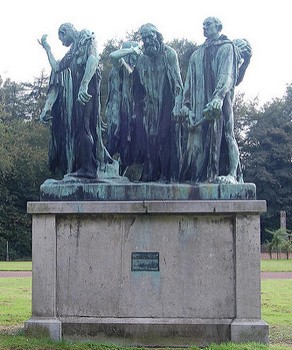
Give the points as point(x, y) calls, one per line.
point(265, 24)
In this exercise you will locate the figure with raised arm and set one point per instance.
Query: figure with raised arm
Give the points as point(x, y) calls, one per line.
point(157, 96)
point(73, 104)
point(119, 107)
point(214, 70)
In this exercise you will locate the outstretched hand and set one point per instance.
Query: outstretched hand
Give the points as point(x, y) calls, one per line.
point(244, 47)
point(43, 42)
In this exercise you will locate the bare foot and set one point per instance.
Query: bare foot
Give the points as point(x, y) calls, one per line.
point(87, 174)
point(229, 179)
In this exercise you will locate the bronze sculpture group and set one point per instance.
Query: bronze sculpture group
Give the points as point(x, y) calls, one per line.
point(146, 101)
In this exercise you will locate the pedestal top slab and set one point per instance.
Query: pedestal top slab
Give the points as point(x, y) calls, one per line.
point(86, 190)
point(148, 207)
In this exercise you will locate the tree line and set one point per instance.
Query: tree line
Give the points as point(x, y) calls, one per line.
point(264, 135)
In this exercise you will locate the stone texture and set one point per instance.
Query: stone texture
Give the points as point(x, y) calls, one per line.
point(249, 330)
point(90, 190)
point(149, 331)
point(208, 276)
point(197, 252)
point(44, 272)
point(148, 207)
point(44, 327)
point(247, 267)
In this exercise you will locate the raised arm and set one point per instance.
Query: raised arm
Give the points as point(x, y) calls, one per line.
point(118, 54)
point(53, 62)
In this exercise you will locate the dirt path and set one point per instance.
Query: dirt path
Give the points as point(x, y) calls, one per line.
point(264, 275)
point(276, 275)
point(15, 274)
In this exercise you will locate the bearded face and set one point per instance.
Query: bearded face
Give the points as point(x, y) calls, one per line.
point(151, 43)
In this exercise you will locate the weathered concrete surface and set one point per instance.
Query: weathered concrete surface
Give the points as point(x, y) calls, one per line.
point(249, 330)
point(149, 331)
point(208, 279)
point(148, 207)
point(90, 190)
point(44, 327)
point(197, 252)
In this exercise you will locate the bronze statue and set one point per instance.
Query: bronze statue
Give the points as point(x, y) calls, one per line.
point(215, 68)
point(119, 111)
point(73, 104)
point(157, 94)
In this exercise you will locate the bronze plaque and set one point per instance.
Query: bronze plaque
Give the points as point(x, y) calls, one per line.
point(145, 261)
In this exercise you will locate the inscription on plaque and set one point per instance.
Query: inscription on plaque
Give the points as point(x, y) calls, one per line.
point(145, 261)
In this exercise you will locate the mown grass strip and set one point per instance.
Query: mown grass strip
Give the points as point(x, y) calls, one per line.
point(15, 300)
point(15, 265)
point(20, 342)
point(274, 265)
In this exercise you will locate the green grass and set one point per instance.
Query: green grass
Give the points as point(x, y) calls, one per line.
point(277, 309)
point(274, 265)
point(15, 265)
point(15, 308)
point(20, 342)
point(277, 301)
point(15, 301)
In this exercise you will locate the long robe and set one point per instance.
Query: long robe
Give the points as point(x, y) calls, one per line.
point(76, 132)
point(212, 73)
point(157, 90)
point(119, 115)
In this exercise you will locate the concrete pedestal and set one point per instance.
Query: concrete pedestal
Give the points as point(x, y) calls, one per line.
point(153, 273)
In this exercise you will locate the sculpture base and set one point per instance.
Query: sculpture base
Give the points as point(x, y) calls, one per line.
point(118, 190)
point(149, 273)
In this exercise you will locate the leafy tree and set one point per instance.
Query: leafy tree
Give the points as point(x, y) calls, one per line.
point(280, 240)
point(265, 140)
point(11, 100)
point(22, 173)
point(35, 96)
point(22, 101)
point(23, 167)
point(287, 247)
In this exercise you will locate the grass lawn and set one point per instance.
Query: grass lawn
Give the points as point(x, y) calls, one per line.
point(15, 308)
point(277, 309)
point(15, 265)
point(274, 265)
point(22, 343)
point(15, 301)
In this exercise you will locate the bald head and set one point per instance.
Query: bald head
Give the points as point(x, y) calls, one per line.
point(66, 33)
point(212, 27)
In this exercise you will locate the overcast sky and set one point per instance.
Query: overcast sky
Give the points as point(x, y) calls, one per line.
point(266, 24)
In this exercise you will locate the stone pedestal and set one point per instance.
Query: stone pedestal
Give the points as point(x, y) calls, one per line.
point(151, 273)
